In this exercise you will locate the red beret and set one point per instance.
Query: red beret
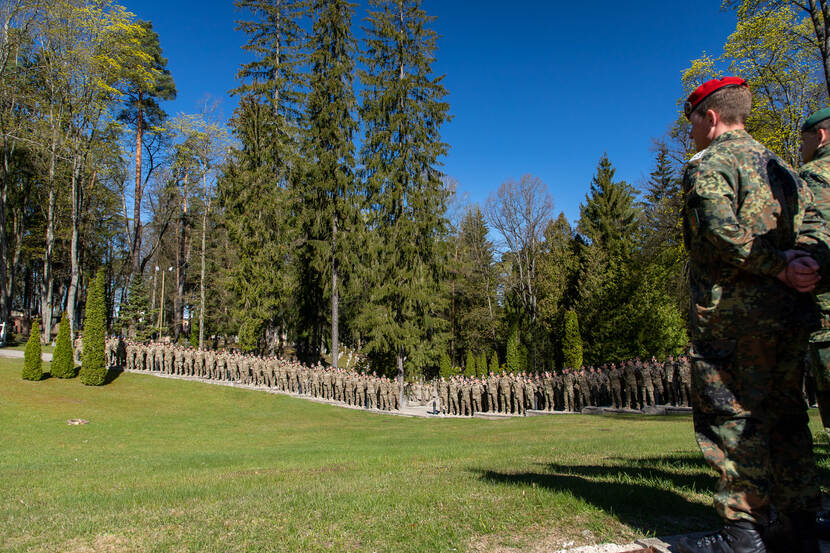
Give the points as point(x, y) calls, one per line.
point(707, 88)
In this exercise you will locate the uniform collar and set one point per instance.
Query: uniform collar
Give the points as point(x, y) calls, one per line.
point(822, 152)
point(730, 135)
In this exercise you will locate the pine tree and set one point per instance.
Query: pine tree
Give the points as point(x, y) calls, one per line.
point(403, 109)
point(255, 190)
point(63, 365)
point(474, 299)
point(608, 217)
point(93, 360)
point(328, 207)
point(32, 365)
point(135, 318)
point(141, 109)
point(572, 343)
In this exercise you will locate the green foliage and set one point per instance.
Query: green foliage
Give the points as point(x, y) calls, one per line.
point(608, 217)
point(250, 335)
point(481, 364)
point(474, 279)
point(470, 365)
point(32, 369)
point(445, 366)
point(135, 318)
point(403, 261)
point(494, 363)
point(93, 361)
point(193, 338)
point(572, 343)
point(516, 357)
point(63, 364)
point(767, 49)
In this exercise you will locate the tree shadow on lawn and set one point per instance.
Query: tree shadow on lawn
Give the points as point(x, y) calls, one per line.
point(643, 493)
point(648, 494)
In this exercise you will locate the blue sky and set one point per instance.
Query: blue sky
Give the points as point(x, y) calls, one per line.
point(534, 87)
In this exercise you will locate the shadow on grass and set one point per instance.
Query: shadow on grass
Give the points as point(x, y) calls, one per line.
point(112, 374)
point(647, 494)
point(651, 495)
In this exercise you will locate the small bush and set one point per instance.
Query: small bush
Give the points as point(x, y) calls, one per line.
point(32, 365)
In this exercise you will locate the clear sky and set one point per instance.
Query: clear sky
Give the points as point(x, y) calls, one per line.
point(538, 87)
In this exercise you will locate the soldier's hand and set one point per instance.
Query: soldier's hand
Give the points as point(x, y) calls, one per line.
point(801, 272)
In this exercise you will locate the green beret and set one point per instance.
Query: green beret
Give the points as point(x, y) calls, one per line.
point(816, 118)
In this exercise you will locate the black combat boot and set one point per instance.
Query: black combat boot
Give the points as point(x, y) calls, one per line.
point(823, 525)
point(805, 536)
point(736, 537)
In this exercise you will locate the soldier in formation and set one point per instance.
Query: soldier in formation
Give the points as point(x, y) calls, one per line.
point(505, 393)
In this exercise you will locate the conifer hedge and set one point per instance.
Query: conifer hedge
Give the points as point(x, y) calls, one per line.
point(93, 359)
point(32, 369)
point(63, 366)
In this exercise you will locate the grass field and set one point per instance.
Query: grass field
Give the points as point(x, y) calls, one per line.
point(175, 466)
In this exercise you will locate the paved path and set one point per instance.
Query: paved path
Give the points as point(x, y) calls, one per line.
point(18, 354)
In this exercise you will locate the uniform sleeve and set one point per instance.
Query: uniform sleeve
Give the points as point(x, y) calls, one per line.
point(720, 236)
point(813, 234)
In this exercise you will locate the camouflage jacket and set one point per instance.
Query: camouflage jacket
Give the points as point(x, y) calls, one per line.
point(817, 176)
point(743, 208)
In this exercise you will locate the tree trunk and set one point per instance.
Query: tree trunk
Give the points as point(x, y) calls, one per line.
point(46, 281)
point(178, 302)
point(202, 280)
point(335, 339)
point(75, 272)
point(139, 190)
point(400, 377)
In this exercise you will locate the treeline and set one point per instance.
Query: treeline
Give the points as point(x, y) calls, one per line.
point(317, 219)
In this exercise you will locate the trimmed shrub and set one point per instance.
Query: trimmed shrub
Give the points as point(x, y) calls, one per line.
point(63, 366)
point(494, 363)
point(32, 365)
point(93, 358)
point(572, 343)
point(470, 365)
point(445, 366)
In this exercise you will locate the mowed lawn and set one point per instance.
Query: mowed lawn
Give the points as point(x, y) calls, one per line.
point(175, 466)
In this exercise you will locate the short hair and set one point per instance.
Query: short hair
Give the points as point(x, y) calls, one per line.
point(732, 103)
point(823, 124)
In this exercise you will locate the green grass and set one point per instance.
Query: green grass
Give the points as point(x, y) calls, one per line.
point(174, 466)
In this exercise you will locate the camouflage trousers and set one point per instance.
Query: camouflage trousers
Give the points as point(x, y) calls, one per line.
point(819, 359)
point(750, 421)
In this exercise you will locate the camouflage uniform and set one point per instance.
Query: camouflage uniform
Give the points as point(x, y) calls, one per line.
point(743, 208)
point(816, 175)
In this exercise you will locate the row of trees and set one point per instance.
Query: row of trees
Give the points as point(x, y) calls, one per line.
point(316, 220)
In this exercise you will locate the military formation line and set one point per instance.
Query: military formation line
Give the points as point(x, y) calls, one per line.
point(633, 385)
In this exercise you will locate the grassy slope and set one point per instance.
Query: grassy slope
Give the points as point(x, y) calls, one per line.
point(169, 465)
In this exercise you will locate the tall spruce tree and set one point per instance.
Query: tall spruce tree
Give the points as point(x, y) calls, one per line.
point(609, 216)
point(136, 318)
point(255, 192)
point(403, 109)
point(93, 359)
point(328, 204)
point(475, 302)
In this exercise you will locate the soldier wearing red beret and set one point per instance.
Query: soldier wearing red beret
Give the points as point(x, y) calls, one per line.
point(755, 243)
